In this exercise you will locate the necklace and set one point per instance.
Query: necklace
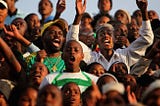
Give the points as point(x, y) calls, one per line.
point(54, 67)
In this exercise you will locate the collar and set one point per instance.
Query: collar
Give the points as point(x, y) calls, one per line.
point(12, 14)
point(115, 55)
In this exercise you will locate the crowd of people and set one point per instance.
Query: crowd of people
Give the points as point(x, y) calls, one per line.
point(102, 60)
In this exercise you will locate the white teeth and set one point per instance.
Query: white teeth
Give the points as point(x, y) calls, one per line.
point(56, 40)
point(106, 41)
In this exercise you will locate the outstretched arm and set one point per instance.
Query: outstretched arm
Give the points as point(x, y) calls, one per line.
point(9, 55)
point(74, 30)
point(80, 9)
point(139, 46)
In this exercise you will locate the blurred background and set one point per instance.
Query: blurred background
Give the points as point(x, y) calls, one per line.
point(31, 6)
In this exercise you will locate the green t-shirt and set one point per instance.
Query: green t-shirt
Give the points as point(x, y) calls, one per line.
point(55, 64)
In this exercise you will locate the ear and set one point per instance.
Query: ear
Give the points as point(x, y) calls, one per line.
point(82, 56)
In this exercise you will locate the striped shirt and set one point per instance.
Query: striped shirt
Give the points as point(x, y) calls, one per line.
point(82, 79)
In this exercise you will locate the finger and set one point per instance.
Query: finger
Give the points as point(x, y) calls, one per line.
point(5, 29)
point(84, 5)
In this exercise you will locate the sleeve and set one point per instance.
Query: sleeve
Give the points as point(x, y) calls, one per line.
point(139, 46)
point(32, 48)
point(140, 67)
point(44, 83)
point(73, 34)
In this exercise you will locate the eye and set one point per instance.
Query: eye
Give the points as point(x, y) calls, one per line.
point(52, 32)
point(67, 92)
point(76, 49)
point(41, 68)
point(60, 33)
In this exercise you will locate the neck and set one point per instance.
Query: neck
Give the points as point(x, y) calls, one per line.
point(107, 54)
point(72, 69)
point(104, 12)
point(44, 16)
point(12, 10)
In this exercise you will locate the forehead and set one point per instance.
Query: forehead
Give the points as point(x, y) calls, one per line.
point(38, 64)
point(34, 16)
point(71, 86)
point(73, 44)
point(50, 89)
point(100, 1)
point(52, 28)
point(120, 12)
point(44, 1)
point(105, 29)
point(18, 20)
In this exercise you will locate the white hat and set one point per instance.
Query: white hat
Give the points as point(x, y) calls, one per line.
point(154, 85)
point(4, 3)
point(105, 25)
point(119, 87)
point(128, 15)
point(111, 75)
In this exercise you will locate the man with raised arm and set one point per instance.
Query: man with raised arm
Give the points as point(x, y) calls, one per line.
point(107, 56)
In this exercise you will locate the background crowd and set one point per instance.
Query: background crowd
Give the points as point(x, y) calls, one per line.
point(102, 60)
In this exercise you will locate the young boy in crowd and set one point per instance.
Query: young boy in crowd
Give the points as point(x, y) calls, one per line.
point(72, 56)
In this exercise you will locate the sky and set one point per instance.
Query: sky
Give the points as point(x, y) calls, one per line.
point(31, 6)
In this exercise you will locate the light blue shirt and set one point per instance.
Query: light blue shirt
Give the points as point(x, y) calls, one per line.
point(9, 19)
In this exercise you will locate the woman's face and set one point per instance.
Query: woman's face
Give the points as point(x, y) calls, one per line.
point(28, 98)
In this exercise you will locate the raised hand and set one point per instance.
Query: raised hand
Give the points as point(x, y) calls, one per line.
point(41, 55)
point(12, 31)
point(142, 4)
point(80, 7)
point(61, 6)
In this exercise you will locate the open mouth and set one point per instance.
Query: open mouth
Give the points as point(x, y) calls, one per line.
point(72, 58)
point(72, 100)
point(107, 42)
point(56, 42)
point(37, 76)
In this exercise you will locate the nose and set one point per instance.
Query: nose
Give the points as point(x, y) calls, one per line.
point(37, 70)
point(32, 103)
point(48, 97)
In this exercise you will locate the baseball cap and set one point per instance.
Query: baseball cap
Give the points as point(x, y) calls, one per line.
point(3, 4)
point(58, 22)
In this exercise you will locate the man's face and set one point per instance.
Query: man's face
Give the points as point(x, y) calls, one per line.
point(53, 38)
point(38, 72)
point(49, 96)
point(21, 25)
point(45, 7)
point(105, 39)
point(73, 53)
point(10, 3)
point(122, 17)
point(71, 94)
point(104, 5)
